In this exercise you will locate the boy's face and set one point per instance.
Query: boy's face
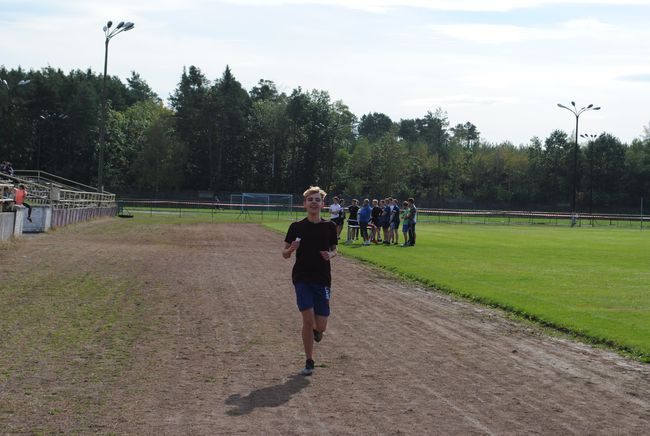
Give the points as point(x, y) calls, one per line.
point(313, 202)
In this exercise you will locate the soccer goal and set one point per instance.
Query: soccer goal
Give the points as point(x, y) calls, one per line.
point(251, 202)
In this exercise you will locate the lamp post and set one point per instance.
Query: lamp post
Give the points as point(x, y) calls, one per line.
point(591, 138)
point(577, 112)
point(10, 104)
point(50, 117)
point(20, 83)
point(121, 27)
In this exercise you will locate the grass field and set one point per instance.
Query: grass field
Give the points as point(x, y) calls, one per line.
point(592, 282)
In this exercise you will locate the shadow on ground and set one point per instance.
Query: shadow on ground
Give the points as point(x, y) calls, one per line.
point(271, 396)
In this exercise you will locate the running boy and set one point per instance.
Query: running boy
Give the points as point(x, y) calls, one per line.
point(314, 240)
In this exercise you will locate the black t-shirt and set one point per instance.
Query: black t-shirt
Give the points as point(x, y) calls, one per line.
point(376, 213)
point(310, 267)
point(353, 212)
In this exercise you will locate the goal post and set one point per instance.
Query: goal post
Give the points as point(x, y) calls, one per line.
point(247, 202)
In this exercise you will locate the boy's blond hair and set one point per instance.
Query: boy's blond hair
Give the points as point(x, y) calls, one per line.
point(314, 190)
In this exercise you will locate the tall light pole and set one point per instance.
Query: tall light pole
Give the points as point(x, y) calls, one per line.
point(122, 27)
point(577, 112)
point(50, 117)
point(11, 105)
point(591, 138)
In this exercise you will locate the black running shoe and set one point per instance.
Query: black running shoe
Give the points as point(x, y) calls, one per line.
point(309, 367)
point(318, 336)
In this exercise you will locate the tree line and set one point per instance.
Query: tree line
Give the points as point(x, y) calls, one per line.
point(216, 136)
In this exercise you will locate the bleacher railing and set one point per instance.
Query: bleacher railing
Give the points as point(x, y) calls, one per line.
point(59, 192)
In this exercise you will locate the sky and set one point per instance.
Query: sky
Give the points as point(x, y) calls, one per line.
point(503, 65)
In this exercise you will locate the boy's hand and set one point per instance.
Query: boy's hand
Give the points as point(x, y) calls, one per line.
point(295, 244)
point(327, 255)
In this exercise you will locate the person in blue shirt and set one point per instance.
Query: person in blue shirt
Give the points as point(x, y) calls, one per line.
point(364, 218)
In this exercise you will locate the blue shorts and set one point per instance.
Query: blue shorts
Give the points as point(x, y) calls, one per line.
point(310, 295)
point(394, 225)
point(405, 228)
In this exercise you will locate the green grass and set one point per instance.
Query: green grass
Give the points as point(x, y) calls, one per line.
point(80, 328)
point(207, 214)
point(591, 282)
point(211, 215)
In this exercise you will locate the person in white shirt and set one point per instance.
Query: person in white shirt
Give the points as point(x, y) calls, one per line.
point(336, 215)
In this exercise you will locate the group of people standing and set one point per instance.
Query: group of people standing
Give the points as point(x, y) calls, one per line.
point(379, 223)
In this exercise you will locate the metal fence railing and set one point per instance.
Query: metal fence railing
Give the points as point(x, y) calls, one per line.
point(234, 211)
point(531, 218)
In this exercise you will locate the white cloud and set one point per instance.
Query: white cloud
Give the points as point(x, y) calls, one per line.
point(588, 28)
point(643, 77)
point(440, 5)
point(457, 100)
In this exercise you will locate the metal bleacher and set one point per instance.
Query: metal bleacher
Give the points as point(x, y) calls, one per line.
point(61, 193)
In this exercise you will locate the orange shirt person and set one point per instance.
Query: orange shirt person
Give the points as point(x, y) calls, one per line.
point(19, 199)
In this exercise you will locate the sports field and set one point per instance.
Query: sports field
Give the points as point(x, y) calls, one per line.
point(160, 325)
point(593, 282)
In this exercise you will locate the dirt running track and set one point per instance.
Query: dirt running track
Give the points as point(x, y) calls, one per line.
point(396, 359)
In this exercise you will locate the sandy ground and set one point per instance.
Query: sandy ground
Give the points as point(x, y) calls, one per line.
point(225, 352)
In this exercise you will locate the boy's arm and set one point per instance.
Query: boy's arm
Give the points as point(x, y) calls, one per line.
point(327, 255)
point(290, 248)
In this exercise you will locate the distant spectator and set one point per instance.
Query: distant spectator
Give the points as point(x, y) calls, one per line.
point(20, 195)
point(6, 168)
point(336, 217)
point(405, 223)
point(353, 221)
point(364, 217)
point(394, 222)
point(385, 219)
point(8, 198)
point(376, 225)
point(412, 216)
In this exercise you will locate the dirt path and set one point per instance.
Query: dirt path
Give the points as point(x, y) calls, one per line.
point(223, 351)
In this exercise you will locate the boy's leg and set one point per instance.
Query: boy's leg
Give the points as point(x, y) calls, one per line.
point(321, 323)
point(413, 226)
point(412, 234)
point(308, 324)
